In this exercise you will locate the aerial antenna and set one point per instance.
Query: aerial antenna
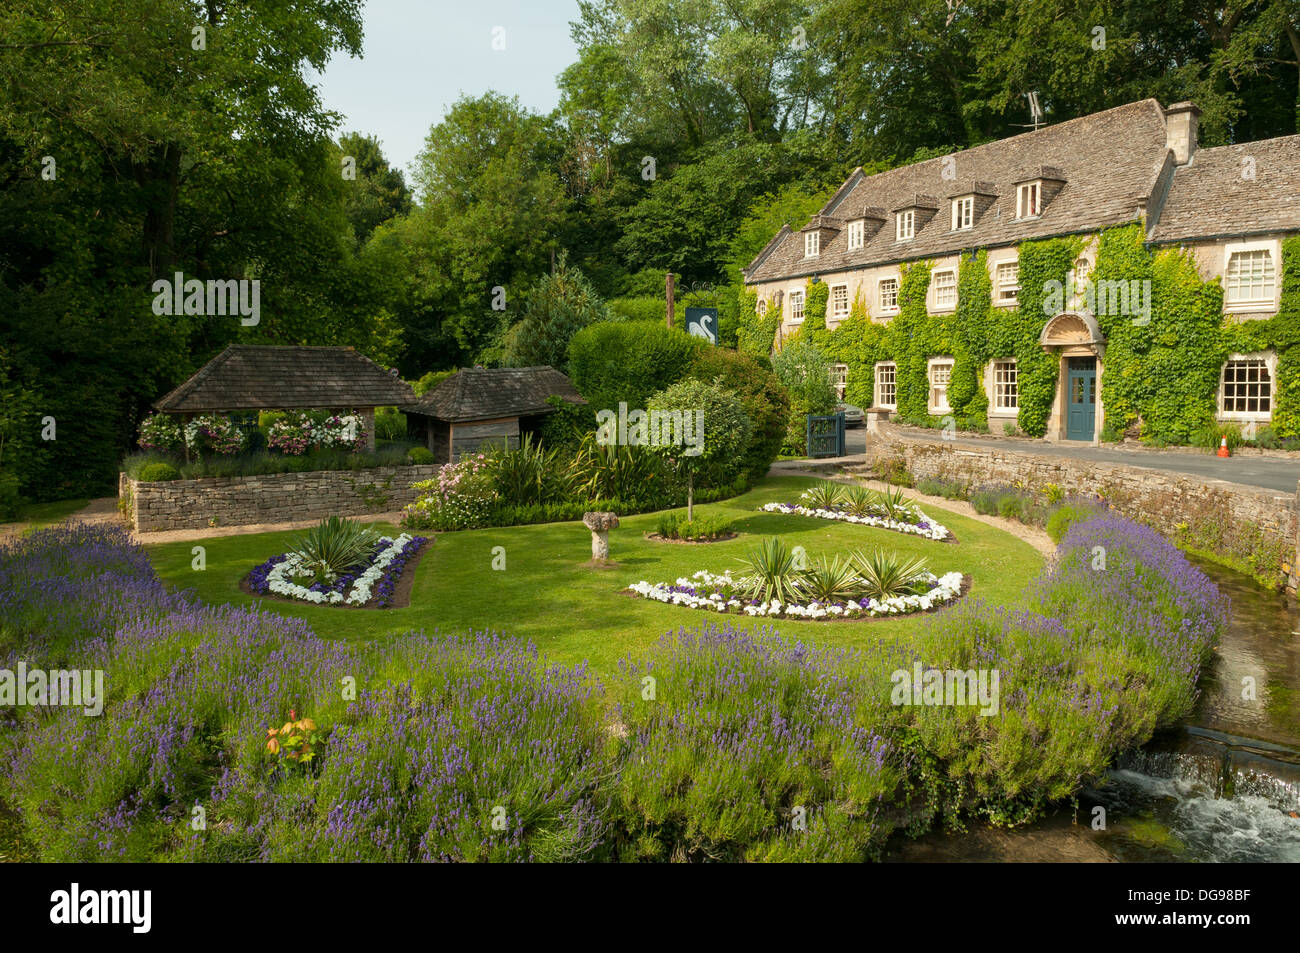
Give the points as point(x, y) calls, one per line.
point(1035, 110)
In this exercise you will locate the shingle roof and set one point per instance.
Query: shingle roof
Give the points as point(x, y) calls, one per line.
point(1210, 196)
point(480, 393)
point(1110, 162)
point(267, 377)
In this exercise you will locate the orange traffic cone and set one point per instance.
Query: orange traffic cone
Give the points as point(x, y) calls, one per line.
point(1223, 448)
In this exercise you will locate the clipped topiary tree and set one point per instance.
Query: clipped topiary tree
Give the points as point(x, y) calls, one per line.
point(710, 437)
point(627, 361)
point(765, 401)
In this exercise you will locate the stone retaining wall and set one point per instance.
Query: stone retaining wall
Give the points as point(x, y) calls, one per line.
point(1170, 502)
point(270, 498)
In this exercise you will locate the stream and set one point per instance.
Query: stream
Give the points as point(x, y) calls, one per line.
point(1223, 787)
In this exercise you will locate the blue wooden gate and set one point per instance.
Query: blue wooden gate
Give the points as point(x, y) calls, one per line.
point(826, 436)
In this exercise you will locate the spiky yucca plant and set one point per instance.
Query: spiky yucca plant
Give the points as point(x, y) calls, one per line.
point(885, 574)
point(831, 580)
point(861, 500)
point(824, 495)
point(333, 546)
point(772, 573)
point(896, 506)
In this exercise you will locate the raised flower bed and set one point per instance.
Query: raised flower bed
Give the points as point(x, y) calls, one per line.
point(371, 585)
point(723, 593)
point(924, 526)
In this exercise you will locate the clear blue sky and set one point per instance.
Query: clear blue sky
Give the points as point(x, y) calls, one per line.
point(419, 56)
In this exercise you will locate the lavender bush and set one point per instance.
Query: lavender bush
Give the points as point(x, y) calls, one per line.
point(752, 747)
point(749, 746)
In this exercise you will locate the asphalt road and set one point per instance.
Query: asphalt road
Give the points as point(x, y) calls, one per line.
point(1272, 473)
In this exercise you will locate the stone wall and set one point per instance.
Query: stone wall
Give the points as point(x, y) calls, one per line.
point(1170, 502)
point(270, 498)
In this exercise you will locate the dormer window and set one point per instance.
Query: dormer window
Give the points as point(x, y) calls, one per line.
point(963, 212)
point(906, 225)
point(812, 242)
point(1029, 200)
point(857, 234)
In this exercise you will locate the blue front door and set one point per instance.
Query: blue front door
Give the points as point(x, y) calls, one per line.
point(1081, 395)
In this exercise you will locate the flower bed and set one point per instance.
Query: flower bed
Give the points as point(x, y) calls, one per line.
point(923, 527)
point(721, 593)
point(370, 585)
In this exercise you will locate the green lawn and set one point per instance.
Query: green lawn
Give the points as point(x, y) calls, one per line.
point(36, 515)
point(572, 612)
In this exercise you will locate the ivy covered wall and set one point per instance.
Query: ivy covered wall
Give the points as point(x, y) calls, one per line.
point(1161, 371)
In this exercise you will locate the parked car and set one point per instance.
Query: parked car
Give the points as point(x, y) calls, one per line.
point(853, 416)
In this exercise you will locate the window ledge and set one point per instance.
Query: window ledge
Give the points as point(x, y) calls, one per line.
point(946, 309)
point(1250, 307)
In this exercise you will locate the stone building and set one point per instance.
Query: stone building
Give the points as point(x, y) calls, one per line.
point(480, 406)
point(1230, 207)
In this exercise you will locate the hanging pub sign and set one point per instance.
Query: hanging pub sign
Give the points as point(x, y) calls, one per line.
point(703, 323)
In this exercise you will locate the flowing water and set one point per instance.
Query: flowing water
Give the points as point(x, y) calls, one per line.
point(1223, 787)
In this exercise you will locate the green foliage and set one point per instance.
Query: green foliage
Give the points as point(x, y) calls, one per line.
point(9, 498)
point(805, 373)
point(159, 472)
point(333, 546)
point(760, 392)
point(772, 573)
point(529, 475)
point(825, 494)
point(567, 426)
point(556, 308)
point(420, 456)
point(390, 424)
point(1059, 523)
point(676, 525)
point(430, 380)
point(716, 455)
point(640, 308)
point(612, 362)
point(886, 575)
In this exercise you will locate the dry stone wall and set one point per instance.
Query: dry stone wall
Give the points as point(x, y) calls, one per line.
point(1170, 502)
point(270, 498)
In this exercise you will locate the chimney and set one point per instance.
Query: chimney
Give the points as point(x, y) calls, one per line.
point(1181, 123)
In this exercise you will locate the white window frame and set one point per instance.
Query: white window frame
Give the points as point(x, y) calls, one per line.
point(878, 396)
point(938, 388)
point(937, 306)
point(812, 244)
point(1000, 285)
point(1029, 196)
point(761, 308)
point(857, 234)
point(832, 314)
point(880, 295)
point(905, 225)
point(1269, 360)
point(963, 213)
point(839, 380)
point(1006, 380)
point(1266, 303)
point(797, 314)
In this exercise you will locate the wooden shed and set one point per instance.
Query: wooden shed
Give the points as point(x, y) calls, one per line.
point(251, 377)
point(479, 406)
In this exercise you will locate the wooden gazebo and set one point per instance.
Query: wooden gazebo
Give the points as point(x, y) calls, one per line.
point(247, 377)
point(480, 405)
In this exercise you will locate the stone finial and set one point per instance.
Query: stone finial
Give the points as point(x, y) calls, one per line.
point(600, 524)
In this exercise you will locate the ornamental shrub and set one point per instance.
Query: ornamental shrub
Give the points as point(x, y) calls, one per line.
point(765, 401)
point(627, 361)
point(159, 473)
point(211, 433)
point(420, 456)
